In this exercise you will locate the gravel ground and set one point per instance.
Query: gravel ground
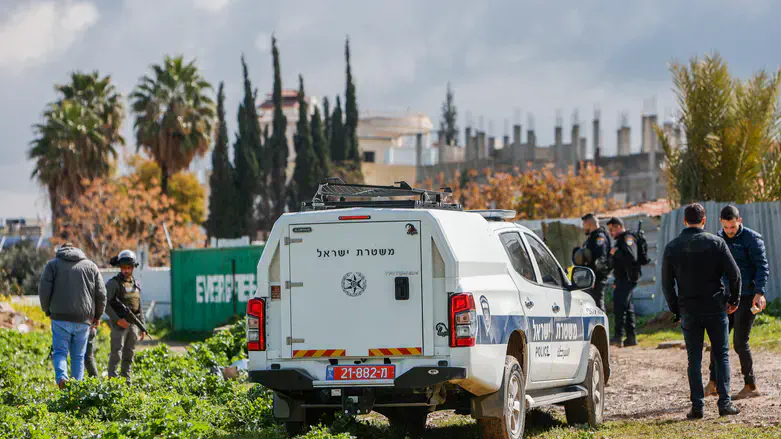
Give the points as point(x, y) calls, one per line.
point(652, 384)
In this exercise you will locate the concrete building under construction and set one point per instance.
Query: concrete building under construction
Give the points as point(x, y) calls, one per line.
point(637, 176)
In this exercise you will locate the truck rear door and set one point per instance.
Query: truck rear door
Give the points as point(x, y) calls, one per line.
point(354, 289)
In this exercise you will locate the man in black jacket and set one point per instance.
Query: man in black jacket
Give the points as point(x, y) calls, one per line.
point(748, 250)
point(627, 272)
point(594, 254)
point(695, 263)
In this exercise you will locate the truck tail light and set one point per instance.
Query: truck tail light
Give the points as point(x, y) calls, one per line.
point(256, 325)
point(463, 320)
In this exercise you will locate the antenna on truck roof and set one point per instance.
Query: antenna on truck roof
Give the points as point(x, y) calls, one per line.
point(335, 194)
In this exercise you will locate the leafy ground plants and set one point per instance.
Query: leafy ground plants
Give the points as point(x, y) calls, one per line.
point(176, 395)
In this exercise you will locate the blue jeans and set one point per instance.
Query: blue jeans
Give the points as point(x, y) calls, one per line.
point(69, 337)
point(717, 326)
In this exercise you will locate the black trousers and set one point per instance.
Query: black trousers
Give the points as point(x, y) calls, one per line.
point(694, 328)
point(624, 309)
point(598, 292)
point(741, 321)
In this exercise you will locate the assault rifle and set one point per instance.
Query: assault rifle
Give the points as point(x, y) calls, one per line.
point(123, 312)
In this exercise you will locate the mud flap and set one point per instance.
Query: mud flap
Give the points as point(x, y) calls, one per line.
point(489, 406)
point(288, 410)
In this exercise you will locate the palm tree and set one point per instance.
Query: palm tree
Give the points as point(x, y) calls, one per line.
point(70, 148)
point(100, 95)
point(174, 115)
point(77, 138)
point(731, 127)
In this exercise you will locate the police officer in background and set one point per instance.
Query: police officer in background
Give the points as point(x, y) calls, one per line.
point(595, 254)
point(124, 334)
point(627, 272)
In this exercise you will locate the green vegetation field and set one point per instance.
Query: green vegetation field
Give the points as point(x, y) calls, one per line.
point(176, 396)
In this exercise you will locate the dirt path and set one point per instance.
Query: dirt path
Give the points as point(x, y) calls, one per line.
point(174, 346)
point(652, 384)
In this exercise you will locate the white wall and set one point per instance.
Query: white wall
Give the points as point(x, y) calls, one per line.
point(155, 286)
point(407, 156)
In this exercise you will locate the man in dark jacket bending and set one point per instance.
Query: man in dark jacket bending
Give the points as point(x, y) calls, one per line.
point(695, 263)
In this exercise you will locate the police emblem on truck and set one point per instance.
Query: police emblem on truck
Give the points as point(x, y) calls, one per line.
point(354, 284)
point(486, 313)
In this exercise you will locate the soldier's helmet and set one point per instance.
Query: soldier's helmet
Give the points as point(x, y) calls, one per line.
point(582, 257)
point(125, 257)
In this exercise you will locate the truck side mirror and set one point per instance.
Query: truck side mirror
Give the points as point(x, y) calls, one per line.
point(582, 278)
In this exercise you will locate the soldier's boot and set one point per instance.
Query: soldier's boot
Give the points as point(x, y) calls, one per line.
point(125, 371)
point(630, 341)
point(616, 342)
point(748, 391)
point(710, 389)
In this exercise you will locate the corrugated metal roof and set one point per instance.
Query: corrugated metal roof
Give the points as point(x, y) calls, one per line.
point(650, 208)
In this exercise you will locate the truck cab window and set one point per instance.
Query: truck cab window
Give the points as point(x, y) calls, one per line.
point(518, 256)
point(549, 269)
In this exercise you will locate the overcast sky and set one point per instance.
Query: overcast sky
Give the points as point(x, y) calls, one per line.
point(501, 56)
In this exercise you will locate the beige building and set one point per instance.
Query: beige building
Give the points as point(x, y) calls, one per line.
point(290, 109)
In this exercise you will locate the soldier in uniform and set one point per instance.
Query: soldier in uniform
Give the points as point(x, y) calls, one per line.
point(627, 272)
point(124, 335)
point(89, 358)
point(595, 254)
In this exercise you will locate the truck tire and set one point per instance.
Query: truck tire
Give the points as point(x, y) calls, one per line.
point(411, 420)
point(294, 429)
point(314, 416)
point(590, 408)
point(513, 421)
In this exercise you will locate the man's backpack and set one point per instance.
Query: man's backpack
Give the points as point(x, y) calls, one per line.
point(642, 246)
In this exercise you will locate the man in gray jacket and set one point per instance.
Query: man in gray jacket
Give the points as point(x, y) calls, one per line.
point(73, 295)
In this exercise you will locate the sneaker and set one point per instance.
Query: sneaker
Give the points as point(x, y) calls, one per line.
point(749, 391)
point(61, 383)
point(710, 389)
point(695, 414)
point(630, 341)
point(728, 410)
point(616, 342)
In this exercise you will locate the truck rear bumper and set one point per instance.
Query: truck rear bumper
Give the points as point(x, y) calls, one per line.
point(287, 380)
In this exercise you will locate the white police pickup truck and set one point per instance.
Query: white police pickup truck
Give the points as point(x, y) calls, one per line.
point(387, 298)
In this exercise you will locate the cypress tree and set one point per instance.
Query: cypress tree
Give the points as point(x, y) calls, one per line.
point(222, 192)
point(350, 112)
point(278, 153)
point(248, 153)
point(327, 120)
point(338, 146)
point(449, 118)
point(320, 145)
point(307, 167)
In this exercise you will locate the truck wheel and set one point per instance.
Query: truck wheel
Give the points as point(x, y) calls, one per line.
point(294, 429)
point(590, 408)
point(411, 420)
point(512, 423)
point(313, 418)
point(320, 416)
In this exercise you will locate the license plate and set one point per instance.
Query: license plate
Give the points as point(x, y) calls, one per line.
point(360, 373)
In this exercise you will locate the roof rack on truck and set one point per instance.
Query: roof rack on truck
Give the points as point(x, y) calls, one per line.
point(495, 214)
point(335, 194)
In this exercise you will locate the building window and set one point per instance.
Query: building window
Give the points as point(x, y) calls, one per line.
point(368, 156)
